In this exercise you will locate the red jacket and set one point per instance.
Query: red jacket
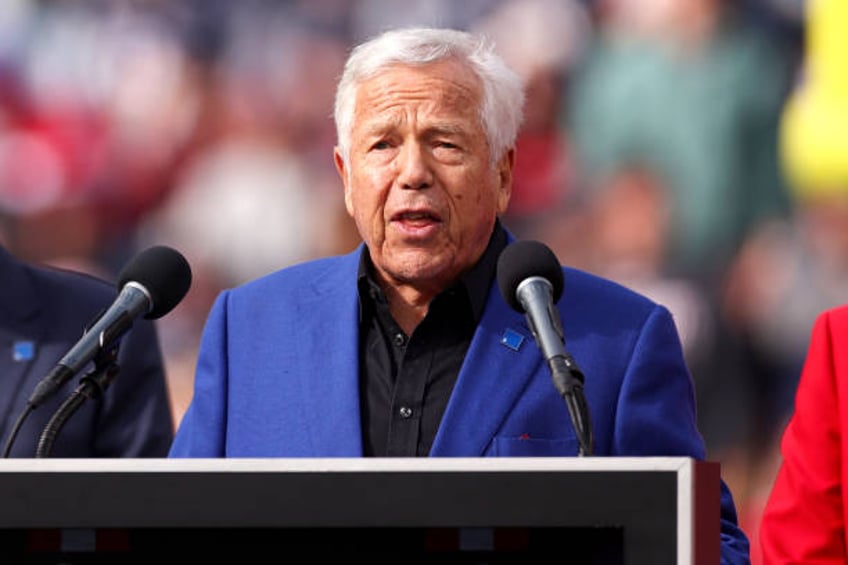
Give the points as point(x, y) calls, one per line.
point(805, 515)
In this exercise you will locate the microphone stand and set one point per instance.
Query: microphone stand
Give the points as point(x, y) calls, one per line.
point(92, 385)
point(567, 377)
point(568, 380)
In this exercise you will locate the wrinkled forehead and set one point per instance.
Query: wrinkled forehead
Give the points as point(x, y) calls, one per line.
point(442, 87)
point(441, 78)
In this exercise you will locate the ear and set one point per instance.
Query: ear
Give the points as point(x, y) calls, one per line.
point(505, 169)
point(343, 173)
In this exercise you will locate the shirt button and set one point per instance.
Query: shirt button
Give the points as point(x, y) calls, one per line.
point(405, 412)
point(400, 339)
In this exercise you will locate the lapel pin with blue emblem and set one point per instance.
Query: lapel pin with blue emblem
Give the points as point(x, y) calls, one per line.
point(512, 339)
point(23, 351)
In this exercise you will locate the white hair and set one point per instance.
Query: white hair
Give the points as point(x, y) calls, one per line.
point(502, 106)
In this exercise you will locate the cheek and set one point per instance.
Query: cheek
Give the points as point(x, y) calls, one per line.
point(489, 198)
point(473, 209)
point(366, 195)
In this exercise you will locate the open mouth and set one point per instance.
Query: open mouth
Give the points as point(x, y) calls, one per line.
point(420, 217)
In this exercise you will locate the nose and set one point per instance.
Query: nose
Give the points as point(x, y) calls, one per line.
point(414, 171)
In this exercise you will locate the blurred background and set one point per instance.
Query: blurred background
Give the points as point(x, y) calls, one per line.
point(691, 149)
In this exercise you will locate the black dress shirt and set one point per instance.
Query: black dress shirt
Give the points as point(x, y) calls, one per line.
point(405, 381)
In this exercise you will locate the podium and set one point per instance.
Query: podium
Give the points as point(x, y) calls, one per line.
point(638, 511)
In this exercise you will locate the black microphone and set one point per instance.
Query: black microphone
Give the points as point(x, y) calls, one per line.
point(531, 281)
point(151, 284)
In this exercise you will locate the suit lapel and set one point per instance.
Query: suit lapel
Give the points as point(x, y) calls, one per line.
point(20, 330)
point(331, 378)
point(500, 361)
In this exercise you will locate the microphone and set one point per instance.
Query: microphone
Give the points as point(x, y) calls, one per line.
point(531, 281)
point(151, 284)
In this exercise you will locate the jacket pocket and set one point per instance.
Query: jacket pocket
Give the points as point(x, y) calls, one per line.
point(534, 447)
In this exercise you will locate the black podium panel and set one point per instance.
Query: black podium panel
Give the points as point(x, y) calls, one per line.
point(650, 511)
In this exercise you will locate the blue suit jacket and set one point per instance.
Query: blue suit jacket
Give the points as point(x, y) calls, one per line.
point(43, 313)
point(278, 376)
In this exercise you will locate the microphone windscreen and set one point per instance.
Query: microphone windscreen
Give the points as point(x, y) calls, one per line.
point(164, 272)
point(522, 260)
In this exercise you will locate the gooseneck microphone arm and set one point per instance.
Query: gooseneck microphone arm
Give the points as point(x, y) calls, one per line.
point(568, 380)
point(92, 385)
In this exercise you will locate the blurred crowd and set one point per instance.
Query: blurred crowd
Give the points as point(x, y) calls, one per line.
point(651, 153)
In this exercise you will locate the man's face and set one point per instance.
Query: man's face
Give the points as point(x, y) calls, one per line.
point(421, 185)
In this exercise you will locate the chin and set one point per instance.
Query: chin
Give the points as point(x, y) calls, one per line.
point(419, 266)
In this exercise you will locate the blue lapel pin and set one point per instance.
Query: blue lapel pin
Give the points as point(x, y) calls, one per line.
point(23, 351)
point(512, 339)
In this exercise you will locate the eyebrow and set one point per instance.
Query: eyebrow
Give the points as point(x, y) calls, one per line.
point(445, 128)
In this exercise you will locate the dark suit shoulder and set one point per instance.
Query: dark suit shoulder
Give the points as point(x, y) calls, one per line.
point(30, 288)
point(75, 289)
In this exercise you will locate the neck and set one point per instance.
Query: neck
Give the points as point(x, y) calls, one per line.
point(407, 305)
